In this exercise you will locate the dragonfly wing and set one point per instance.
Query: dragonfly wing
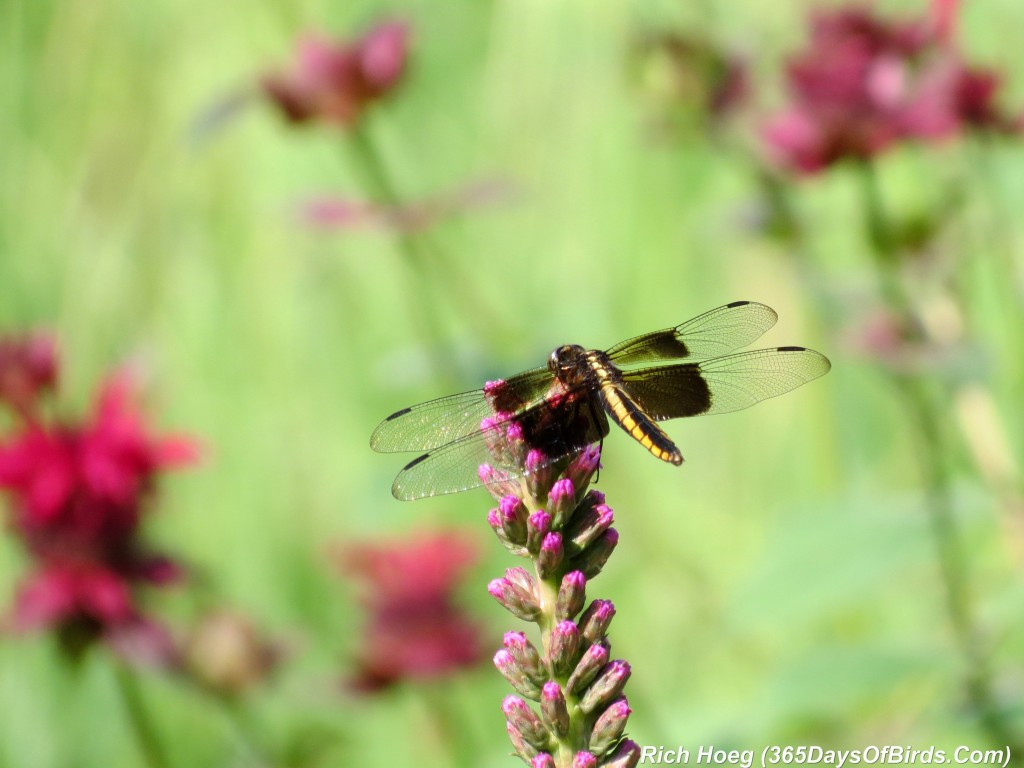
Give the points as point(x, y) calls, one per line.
point(715, 333)
point(438, 422)
point(555, 431)
point(723, 384)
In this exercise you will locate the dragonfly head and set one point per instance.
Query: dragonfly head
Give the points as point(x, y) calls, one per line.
point(567, 361)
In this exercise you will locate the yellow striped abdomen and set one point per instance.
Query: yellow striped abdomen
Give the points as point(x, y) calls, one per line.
point(628, 415)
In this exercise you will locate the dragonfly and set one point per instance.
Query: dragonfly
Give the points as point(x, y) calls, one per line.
point(692, 369)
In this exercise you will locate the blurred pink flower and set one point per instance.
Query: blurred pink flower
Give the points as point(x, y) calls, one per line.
point(77, 495)
point(335, 81)
point(902, 346)
point(415, 630)
point(345, 213)
point(864, 83)
point(849, 89)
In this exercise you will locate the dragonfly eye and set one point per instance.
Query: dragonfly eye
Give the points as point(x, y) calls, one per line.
point(561, 358)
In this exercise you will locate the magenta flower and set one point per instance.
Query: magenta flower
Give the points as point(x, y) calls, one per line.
point(415, 629)
point(335, 81)
point(78, 493)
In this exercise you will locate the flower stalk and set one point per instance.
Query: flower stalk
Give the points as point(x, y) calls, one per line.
point(138, 716)
point(550, 518)
point(378, 182)
point(420, 252)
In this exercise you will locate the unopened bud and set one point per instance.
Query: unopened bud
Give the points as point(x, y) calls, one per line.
point(517, 677)
point(595, 620)
point(561, 502)
point(583, 466)
point(539, 472)
point(587, 526)
point(515, 443)
point(550, 556)
point(494, 520)
point(571, 595)
point(516, 600)
point(593, 558)
point(553, 709)
point(521, 578)
point(606, 686)
point(226, 653)
point(593, 661)
point(565, 647)
point(537, 527)
point(626, 756)
point(526, 656)
point(609, 726)
point(519, 743)
point(525, 720)
point(512, 513)
point(497, 482)
point(584, 760)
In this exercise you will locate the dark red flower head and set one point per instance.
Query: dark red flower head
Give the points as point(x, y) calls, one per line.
point(77, 495)
point(849, 89)
point(415, 630)
point(336, 81)
point(864, 83)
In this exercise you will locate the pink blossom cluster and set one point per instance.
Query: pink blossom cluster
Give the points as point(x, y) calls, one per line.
point(78, 491)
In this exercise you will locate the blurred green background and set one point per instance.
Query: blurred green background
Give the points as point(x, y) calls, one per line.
point(780, 587)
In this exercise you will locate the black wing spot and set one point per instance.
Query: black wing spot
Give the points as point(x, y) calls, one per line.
point(396, 414)
point(737, 304)
point(669, 347)
point(416, 461)
point(791, 349)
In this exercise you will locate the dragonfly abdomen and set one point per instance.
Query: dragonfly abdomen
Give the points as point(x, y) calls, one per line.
point(628, 415)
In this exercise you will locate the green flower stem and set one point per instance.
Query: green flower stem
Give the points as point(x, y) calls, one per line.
point(422, 255)
point(145, 733)
point(884, 246)
point(932, 455)
point(379, 186)
point(574, 740)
